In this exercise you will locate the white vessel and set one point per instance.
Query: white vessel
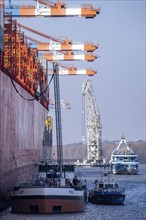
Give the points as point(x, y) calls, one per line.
point(123, 159)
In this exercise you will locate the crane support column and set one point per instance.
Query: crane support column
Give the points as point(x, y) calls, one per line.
point(58, 117)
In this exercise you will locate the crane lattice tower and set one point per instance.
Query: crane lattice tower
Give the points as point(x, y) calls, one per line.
point(93, 124)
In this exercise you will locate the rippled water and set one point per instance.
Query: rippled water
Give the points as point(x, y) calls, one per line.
point(134, 207)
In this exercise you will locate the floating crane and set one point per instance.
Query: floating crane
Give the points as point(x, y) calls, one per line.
point(93, 124)
point(46, 9)
point(71, 70)
point(58, 44)
point(68, 56)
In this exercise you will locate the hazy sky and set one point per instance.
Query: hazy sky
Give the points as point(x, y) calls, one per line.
point(119, 85)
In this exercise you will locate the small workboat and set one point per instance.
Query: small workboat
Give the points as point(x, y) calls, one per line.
point(49, 193)
point(106, 192)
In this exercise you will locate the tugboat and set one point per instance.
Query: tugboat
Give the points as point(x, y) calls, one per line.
point(55, 193)
point(106, 192)
point(123, 159)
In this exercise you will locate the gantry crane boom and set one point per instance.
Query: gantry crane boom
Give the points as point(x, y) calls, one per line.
point(45, 3)
point(59, 44)
point(93, 124)
point(65, 46)
point(40, 33)
point(68, 56)
point(71, 70)
point(56, 9)
point(33, 40)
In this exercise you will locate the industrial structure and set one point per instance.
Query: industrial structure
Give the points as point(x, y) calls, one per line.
point(58, 44)
point(46, 9)
point(72, 70)
point(22, 62)
point(24, 84)
point(92, 123)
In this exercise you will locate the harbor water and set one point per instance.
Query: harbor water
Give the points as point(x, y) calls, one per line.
point(134, 205)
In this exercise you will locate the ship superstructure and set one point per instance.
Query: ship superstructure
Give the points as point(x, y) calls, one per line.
point(123, 159)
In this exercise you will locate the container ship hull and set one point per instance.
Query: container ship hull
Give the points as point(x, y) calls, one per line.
point(21, 134)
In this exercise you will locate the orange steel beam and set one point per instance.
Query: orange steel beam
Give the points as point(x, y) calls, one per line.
point(45, 3)
point(64, 44)
point(69, 56)
point(40, 33)
point(58, 9)
point(75, 71)
point(67, 45)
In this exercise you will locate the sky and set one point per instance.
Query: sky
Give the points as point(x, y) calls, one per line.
point(119, 85)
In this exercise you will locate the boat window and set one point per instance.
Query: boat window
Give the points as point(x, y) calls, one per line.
point(34, 209)
point(116, 185)
point(107, 186)
point(100, 185)
point(56, 209)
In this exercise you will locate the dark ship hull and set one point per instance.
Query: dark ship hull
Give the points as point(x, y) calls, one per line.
point(107, 198)
point(23, 111)
point(21, 135)
point(106, 191)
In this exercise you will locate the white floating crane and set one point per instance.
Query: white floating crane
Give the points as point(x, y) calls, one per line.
point(92, 122)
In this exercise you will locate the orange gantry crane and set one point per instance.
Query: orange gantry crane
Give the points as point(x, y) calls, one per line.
point(57, 9)
point(68, 56)
point(71, 70)
point(22, 62)
point(58, 44)
point(61, 45)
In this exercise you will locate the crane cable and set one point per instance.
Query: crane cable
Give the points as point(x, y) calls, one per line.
point(36, 96)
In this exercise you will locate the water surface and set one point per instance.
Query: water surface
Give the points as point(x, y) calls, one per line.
point(134, 207)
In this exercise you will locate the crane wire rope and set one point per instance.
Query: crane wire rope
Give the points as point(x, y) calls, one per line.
point(83, 119)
